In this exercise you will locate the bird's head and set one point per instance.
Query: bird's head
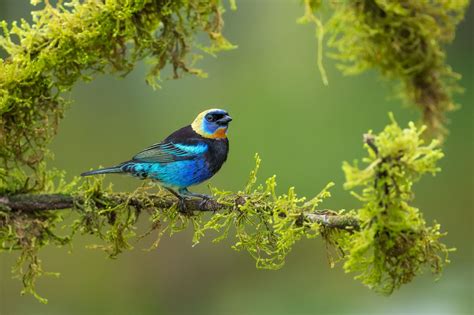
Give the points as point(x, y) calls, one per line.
point(212, 123)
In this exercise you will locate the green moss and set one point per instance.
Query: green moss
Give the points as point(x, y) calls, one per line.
point(403, 40)
point(311, 6)
point(27, 233)
point(394, 243)
point(266, 225)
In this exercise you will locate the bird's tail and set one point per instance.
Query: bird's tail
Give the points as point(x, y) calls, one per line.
point(107, 170)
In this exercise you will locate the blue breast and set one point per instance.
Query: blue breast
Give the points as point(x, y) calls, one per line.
point(175, 174)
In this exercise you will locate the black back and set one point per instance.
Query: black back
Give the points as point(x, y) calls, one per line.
point(218, 148)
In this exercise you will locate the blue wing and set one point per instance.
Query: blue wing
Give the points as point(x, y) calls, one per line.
point(167, 152)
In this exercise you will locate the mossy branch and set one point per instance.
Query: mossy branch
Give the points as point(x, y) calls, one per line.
point(27, 203)
point(386, 242)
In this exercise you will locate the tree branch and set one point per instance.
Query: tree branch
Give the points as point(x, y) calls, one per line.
point(31, 203)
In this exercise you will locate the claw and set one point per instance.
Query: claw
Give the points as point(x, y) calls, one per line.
point(182, 194)
point(181, 202)
point(204, 201)
point(181, 205)
point(182, 208)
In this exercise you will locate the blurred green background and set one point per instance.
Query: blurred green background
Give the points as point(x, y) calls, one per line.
point(302, 130)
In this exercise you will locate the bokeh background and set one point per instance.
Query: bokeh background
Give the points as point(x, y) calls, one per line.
point(302, 130)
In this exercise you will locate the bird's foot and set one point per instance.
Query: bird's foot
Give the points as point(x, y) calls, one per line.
point(182, 208)
point(205, 199)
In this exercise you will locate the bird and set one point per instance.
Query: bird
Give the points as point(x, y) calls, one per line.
point(187, 157)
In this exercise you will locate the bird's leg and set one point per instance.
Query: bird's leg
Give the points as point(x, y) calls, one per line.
point(181, 204)
point(186, 192)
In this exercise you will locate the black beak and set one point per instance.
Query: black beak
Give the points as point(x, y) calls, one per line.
point(224, 120)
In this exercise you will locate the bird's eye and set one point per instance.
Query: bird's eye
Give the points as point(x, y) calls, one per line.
point(210, 118)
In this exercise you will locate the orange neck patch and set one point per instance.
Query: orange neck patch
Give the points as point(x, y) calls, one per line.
point(218, 134)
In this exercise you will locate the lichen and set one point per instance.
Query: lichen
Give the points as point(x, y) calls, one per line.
point(394, 243)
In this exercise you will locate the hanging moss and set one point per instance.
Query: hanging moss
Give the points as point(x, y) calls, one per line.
point(404, 40)
point(27, 233)
point(394, 243)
